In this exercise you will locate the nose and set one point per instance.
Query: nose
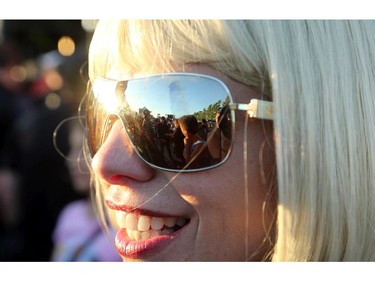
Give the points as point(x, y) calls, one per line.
point(116, 159)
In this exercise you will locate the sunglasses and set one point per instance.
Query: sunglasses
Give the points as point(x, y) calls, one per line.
point(177, 122)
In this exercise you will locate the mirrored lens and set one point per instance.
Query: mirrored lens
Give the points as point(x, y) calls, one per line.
point(175, 121)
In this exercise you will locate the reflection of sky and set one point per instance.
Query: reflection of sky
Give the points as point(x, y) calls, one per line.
point(173, 95)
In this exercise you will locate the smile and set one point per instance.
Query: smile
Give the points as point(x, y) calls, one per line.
point(142, 227)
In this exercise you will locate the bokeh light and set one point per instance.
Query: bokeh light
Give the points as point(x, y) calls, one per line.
point(53, 80)
point(89, 25)
point(18, 73)
point(52, 101)
point(66, 46)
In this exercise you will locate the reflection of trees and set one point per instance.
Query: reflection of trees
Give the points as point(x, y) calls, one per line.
point(209, 113)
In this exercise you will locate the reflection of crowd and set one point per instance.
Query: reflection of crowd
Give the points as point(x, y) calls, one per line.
point(183, 141)
point(195, 152)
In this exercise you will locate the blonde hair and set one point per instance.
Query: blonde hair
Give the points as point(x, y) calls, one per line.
point(320, 76)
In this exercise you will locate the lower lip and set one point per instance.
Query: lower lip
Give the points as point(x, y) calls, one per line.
point(141, 249)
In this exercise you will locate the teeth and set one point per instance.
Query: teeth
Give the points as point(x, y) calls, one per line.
point(154, 233)
point(140, 227)
point(157, 223)
point(144, 223)
point(170, 222)
point(145, 235)
point(137, 235)
point(131, 221)
point(121, 219)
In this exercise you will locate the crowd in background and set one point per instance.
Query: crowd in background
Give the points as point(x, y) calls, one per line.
point(39, 88)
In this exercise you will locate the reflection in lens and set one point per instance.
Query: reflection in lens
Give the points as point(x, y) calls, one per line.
point(151, 108)
point(153, 105)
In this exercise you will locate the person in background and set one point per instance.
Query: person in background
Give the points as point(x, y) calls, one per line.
point(177, 143)
point(220, 136)
point(43, 186)
point(203, 129)
point(195, 149)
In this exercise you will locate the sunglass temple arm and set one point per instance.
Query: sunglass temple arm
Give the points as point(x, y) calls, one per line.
point(260, 109)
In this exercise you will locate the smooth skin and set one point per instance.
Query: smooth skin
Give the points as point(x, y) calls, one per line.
point(213, 200)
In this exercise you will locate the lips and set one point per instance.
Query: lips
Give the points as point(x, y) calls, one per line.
point(140, 233)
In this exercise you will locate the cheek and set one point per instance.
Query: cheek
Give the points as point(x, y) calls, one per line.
point(223, 191)
point(219, 192)
point(216, 189)
point(225, 185)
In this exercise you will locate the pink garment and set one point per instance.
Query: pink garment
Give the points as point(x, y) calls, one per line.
point(78, 236)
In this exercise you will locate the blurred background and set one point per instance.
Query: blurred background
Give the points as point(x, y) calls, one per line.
point(42, 80)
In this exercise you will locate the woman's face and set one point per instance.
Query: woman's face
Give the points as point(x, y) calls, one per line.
point(209, 214)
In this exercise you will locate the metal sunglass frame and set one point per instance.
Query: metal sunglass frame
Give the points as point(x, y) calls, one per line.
point(256, 108)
